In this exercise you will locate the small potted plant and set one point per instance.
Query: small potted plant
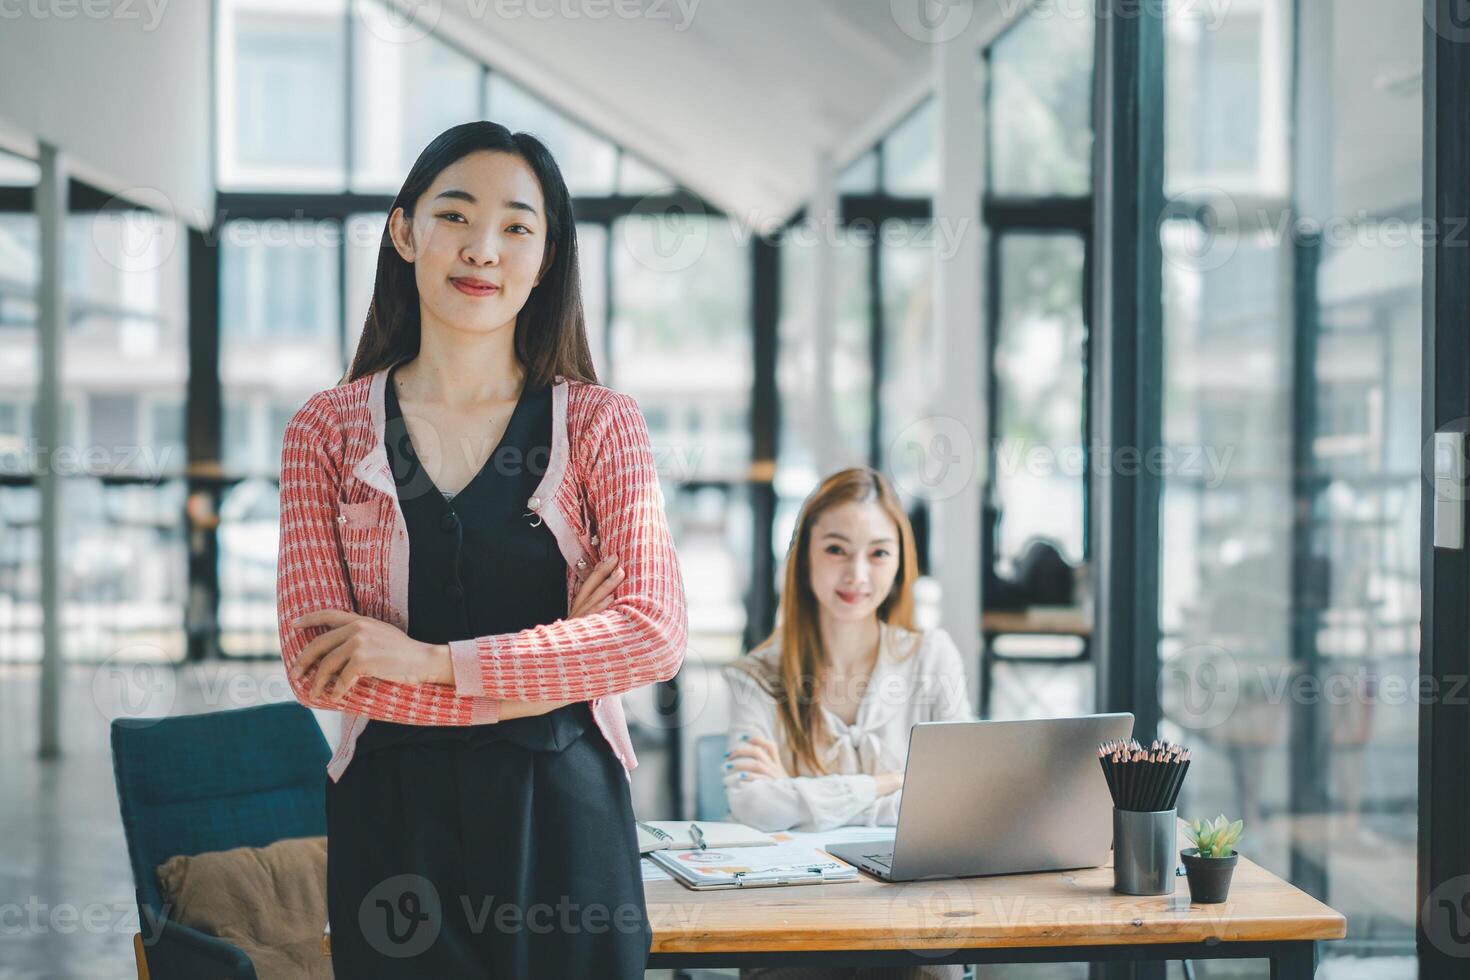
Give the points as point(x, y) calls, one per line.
point(1211, 861)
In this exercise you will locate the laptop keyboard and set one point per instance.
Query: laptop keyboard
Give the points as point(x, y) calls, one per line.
point(884, 859)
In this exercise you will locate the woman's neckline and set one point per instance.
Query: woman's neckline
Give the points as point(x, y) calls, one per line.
point(393, 410)
point(878, 660)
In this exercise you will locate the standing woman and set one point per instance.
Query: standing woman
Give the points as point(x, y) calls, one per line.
point(474, 564)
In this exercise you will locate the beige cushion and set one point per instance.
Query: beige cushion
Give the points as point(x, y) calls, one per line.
point(270, 901)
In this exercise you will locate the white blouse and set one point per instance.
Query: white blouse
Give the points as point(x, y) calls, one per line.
point(918, 676)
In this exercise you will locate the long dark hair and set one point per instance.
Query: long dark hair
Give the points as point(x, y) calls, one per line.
point(551, 329)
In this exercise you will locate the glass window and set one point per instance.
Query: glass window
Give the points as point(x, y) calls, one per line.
point(280, 75)
point(681, 347)
point(18, 335)
point(592, 260)
point(587, 161)
point(1039, 358)
point(124, 363)
point(406, 90)
point(1041, 104)
point(1039, 138)
point(20, 537)
point(1290, 509)
point(126, 338)
point(1237, 59)
point(852, 354)
point(280, 329)
point(798, 358)
point(860, 176)
point(681, 335)
point(365, 235)
point(249, 539)
point(124, 570)
point(637, 176)
point(796, 462)
point(166, 433)
point(710, 525)
point(16, 171)
point(910, 362)
point(910, 160)
point(112, 421)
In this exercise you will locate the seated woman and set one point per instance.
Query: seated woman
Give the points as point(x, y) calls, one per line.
point(820, 712)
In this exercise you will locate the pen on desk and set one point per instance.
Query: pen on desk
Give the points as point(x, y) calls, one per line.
point(698, 835)
point(651, 829)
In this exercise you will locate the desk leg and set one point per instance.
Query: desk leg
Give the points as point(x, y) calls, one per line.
point(1294, 961)
point(1128, 970)
point(666, 696)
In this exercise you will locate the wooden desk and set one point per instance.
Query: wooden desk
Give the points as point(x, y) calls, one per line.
point(1069, 916)
point(1059, 917)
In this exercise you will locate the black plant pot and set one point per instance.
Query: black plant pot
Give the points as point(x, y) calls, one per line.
point(1209, 878)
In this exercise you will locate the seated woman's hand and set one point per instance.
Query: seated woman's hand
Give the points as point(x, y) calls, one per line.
point(756, 757)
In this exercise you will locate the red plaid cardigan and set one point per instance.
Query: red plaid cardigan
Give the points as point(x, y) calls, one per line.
point(344, 545)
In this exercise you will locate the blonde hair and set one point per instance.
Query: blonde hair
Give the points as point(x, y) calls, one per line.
point(801, 662)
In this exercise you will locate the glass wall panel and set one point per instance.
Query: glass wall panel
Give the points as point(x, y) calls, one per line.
point(910, 163)
point(281, 97)
point(1039, 182)
point(681, 347)
point(1291, 410)
point(406, 90)
point(1040, 103)
point(910, 361)
point(1039, 366)
point(280, 331)
point(588, 162)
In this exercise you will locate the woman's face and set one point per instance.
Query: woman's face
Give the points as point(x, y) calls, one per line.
point(854, 559)
point(481, 223)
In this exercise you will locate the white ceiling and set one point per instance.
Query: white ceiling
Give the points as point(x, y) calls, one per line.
point(734, 98)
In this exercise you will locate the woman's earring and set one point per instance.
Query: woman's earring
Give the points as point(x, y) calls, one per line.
point(536, 522)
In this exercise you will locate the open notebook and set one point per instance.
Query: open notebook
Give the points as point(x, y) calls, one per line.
point(658, 835)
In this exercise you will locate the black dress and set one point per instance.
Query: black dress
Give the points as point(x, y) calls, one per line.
point(486, 851)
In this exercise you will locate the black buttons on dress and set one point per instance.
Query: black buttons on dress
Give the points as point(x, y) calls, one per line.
point(449, 521)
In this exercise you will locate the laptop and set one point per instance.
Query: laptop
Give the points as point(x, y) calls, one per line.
point(998, 797)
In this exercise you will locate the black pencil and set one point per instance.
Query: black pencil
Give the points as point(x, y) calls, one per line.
point(1179, 779)
point(1102, 759)
point(1158, 772)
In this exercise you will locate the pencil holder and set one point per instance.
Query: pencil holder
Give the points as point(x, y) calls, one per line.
point(1144, 845)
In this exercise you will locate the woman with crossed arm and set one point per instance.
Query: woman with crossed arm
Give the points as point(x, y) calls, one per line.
point(474, 564)
point(820, 712)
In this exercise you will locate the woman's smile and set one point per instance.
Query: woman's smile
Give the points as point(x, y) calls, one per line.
point(474, 287)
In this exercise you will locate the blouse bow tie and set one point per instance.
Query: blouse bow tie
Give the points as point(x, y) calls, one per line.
point(866, 744)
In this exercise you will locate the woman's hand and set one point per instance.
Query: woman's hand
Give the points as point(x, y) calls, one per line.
point(755, 757)
point(596, 593)
point(361, 646)
point(593, 596)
